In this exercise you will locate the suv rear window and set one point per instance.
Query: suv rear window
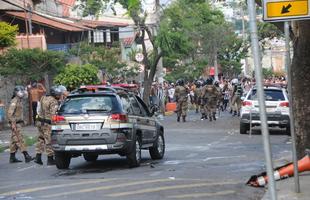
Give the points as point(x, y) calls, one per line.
point(270, 95)
point(86, 104)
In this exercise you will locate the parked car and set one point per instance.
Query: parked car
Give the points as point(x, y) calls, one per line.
point(277, 108)
point(97, 120)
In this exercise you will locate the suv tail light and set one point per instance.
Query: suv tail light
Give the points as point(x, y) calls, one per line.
point(246, 103)
point(119, 118)
point(284, 104)
point(58, 118)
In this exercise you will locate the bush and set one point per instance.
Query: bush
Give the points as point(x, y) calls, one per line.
point(73, 76)
point(7, 34)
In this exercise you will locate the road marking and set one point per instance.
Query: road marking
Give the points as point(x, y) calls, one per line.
point(223, 157)
point(26, 168)
point(107, 187)
point(195, 195)
point(29, 190)
point(159, 189)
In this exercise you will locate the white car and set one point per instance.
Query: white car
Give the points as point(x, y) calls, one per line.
point(277, 108)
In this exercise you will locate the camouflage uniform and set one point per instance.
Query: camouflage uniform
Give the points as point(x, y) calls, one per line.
point(181, 97)
point(49, 106)
point(210, 97)
point(15, 116)
point(236, 98)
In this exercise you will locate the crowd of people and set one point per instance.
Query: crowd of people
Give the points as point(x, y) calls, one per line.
point(207, 96)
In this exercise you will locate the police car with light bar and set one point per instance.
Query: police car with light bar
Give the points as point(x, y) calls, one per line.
point(96, 120)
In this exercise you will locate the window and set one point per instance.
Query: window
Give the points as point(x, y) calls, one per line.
point(270, 95)
point(135, 106)
point(143, 107)
point(85, 104)
point(126, 104)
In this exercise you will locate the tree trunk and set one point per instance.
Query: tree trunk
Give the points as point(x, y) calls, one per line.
point(300, 71)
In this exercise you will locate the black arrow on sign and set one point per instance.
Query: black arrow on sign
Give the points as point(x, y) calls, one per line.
point(285, 9)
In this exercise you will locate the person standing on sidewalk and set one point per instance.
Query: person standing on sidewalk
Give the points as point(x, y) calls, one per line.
point(48, 108)
point(36, 92)
point(15, 117)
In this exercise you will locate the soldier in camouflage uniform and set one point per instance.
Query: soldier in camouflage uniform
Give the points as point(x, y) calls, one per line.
point(49, 106)
point(210, 97)
point(15, 117)
point(181, 96)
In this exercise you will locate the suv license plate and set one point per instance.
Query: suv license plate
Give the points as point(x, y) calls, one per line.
point(87, 127)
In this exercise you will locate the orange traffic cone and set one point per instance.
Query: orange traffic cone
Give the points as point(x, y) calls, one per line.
point(282, 172)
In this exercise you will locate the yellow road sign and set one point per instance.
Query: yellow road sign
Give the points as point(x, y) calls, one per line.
point(287, 9)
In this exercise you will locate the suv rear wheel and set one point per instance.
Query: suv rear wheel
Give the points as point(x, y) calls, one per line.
point(90, 157)
point(244, 128)
point(158, 149)
point(62, 160)
point(134, 157)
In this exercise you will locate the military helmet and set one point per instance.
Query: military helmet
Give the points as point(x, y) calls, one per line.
point(209, 81)
point(234, 81)
point(20, 91)
point(216, 83)
point(62, 88)
point(56, 91)
point(180, 82)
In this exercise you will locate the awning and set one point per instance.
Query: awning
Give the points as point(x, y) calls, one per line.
point(100, 23)
point(46, 21)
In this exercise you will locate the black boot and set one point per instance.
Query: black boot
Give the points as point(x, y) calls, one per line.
point(197, 111)
point(202, 117)
point(178, 119)
point(235, 113)
point(38, 159)
point(28, 158)
point(214, 118)
point(210, 118)
point(50, 160)
point(184, 120)
point(13, 159)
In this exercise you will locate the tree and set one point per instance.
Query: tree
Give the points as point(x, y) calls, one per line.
point(73, 76)
point(137, 13)
point(7, 35)
point(300, 72)
point(30, 64)
point(106, 59)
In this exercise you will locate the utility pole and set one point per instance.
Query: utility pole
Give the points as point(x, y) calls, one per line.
point(26, 24)
point(29, 19)
point(160, 70)
point(261, 99)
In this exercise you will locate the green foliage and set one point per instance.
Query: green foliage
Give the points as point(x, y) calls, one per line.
point(193, 32)
point(73, 76)
point(28, 64)
point(7, 34)
point(106, 59)
point(267, 73)
point(268, 30)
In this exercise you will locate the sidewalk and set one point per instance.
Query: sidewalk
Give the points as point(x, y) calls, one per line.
point(28, 131)
point(285, 188)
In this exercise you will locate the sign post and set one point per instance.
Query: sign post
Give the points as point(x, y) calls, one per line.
point(284, 10)
point(261, 98)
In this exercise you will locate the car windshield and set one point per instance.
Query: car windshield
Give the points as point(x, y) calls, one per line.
point(270, 95)
point(90, 104)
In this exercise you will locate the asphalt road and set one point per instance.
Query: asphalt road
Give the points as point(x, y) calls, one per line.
point(203, 160)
